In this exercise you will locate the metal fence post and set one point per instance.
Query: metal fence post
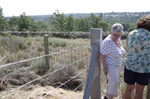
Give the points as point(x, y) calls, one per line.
point(93, 81)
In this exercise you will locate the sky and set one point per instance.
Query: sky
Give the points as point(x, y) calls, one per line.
point(47, 7)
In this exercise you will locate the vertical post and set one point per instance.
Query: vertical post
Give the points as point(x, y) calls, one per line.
point(46, 48)
point(148, 92)
point(82, 57)
point(71, 56)
point(93, 81)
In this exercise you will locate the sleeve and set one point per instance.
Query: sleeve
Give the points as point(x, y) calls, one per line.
point(105, 48)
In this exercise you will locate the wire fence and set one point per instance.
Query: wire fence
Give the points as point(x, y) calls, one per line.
point(67, 97)
point(63, 84)
point(68, 60)
point(60, 58)
point(9, 64)
point(45, 76)
point(42, 32)
point(59, 55)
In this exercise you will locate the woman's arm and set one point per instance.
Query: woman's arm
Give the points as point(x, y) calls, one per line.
point(102, 58)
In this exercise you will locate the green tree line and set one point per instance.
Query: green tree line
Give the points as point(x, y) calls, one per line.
point(69, 22)
point(57, 22)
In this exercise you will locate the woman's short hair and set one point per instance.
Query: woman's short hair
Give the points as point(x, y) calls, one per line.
point(143, 22)
point(117, 28)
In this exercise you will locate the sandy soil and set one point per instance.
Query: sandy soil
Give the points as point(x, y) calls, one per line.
point(37, 92)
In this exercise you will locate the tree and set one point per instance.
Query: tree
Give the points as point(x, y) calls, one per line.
point(86, 24)
point(79, 24)
point(24, 22)
point(44, 25)
point(13, 23)
point(34, 26)
point(58, 20)
point(103, 24)
point(94, 21)
point(98, 22)
point(3, 24)
point(82, 24)
point(70, 23)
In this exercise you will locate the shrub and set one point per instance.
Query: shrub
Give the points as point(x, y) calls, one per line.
point(64, 75)
point(19, 43)
point(40, 48)
point(5, 34)
point(28, 43)
point(22, 55)
point(57, 42)
point(40, 66)
point(74, 36)
point(10, 58)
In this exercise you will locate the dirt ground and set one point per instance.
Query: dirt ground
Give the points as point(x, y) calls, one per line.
point(37, 92)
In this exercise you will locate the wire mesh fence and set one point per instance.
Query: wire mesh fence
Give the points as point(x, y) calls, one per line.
point(23, 64)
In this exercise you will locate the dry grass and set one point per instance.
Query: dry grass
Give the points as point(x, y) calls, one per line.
point(30, 47)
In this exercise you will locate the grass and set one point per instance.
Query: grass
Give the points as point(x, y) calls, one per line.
point(16, 48)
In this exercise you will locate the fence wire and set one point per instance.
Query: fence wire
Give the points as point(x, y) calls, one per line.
point(78, 96)
point(75, 89)
point(41, 32)
point(42, 77)
point(9, 64)
point(62, 84)
point(34, 58)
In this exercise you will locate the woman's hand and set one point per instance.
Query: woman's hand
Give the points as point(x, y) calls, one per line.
point(102, 58)
point(105, 70)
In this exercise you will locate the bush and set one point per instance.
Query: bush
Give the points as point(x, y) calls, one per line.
point(19, 43)
point(56, 42)
point(74, 36)
point(64, 75)
point(40, 48)
point(40, 66)
point(10, 58)
point(5, 34)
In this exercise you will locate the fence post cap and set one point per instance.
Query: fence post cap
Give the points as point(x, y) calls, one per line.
point(96, 36)
point(46, 34)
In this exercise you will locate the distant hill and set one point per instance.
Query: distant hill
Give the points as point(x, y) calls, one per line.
point(129, 17)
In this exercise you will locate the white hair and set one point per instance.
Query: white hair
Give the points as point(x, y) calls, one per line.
point(117, 28)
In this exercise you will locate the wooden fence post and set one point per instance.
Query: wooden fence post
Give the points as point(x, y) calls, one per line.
point(148, 92)
point(93, 81)
point(46, 48)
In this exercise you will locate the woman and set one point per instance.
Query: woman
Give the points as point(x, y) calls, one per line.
point(137, 60)
point(111, 53)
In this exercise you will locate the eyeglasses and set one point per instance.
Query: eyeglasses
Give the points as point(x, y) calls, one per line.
point(116, 35)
